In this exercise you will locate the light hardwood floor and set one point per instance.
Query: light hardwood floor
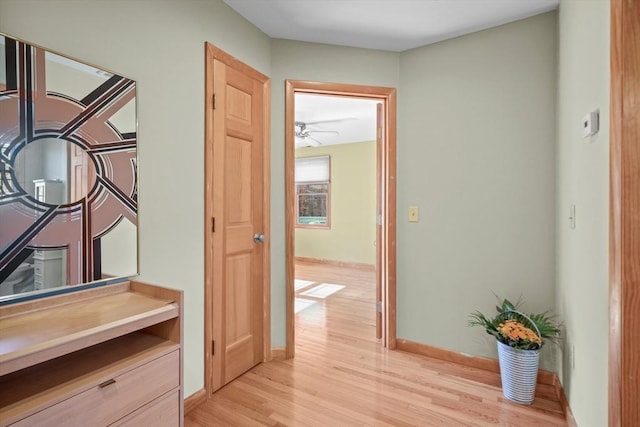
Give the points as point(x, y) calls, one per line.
point(341, 376)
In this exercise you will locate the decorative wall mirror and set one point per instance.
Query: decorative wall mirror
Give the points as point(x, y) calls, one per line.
point(68, 171)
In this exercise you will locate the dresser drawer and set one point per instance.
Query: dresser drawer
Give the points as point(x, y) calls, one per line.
point(38, 281)
point(162, 412)
point(114, 399)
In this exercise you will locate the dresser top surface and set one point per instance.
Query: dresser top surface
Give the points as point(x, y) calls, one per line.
point(68, 327)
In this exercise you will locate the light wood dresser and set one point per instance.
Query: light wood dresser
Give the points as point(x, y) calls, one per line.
point(110, 355)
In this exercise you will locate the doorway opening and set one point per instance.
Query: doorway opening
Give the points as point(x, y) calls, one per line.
point(308, 199)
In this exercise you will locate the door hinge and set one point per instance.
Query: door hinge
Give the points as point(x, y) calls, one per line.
point(378, 306)
point(213, 224)
point(214, 101)
point(379, 132)
point(379, 219)
point(213, 347)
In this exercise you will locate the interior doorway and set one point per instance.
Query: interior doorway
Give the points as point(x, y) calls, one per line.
point(314, 209)
point(335, 218)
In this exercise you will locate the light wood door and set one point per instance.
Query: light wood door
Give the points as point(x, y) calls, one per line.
point(81, 174)
point(237, 206)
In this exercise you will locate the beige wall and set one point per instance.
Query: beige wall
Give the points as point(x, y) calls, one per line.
point(583, 181)
point(352, 235)
point(160, 44)
point(476, 154)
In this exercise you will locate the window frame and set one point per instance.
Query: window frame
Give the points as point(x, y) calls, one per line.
point(327, 225)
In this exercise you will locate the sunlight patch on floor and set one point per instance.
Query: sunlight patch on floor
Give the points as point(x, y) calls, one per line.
point(302, 303)
point(323, 290)
point(299, 284)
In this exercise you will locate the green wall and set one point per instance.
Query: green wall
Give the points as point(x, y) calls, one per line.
point(352, 235)
point(582, 276)
point(160, 44)
point(476, 154)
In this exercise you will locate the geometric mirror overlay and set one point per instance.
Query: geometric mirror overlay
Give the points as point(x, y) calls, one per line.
point(68, 171)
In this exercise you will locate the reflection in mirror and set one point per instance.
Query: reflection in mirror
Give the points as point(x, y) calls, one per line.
point(54, 160)
point(68, 171)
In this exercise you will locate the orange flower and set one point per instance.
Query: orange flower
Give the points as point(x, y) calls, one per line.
point(516, 331)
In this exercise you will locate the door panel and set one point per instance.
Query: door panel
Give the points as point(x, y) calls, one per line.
point(238, 178)
point(239, 326)
point(238, 298)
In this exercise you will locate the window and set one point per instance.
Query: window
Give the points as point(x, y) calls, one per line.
point(312, 176)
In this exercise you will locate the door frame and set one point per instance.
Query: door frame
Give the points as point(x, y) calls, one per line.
point(624, 223)
point(212, 362)
point(386, 95)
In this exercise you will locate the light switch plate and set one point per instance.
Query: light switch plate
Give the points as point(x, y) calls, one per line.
point(590, 123)
point(572, 217)
point(413, 214)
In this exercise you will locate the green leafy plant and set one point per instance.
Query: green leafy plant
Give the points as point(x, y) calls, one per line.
point(516, 329)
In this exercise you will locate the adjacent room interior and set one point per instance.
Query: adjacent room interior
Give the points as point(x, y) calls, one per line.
point(335, 212)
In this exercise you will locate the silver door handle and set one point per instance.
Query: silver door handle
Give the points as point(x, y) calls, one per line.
point(258, 238)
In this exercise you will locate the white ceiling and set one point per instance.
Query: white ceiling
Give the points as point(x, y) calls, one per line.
point(342, 119)
point(394, 25)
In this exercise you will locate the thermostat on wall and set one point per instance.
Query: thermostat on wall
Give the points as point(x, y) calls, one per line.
point(590, 123)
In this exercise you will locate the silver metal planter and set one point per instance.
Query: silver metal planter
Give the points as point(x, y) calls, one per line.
point(518, 372)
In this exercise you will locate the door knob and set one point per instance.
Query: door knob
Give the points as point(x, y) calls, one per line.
point(258, 238)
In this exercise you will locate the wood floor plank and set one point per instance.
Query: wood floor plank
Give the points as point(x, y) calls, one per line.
point(342, 376)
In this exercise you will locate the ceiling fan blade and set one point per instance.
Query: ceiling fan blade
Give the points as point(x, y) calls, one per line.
point(306, 142)
point(335, 132)
point(301, 143)
point(316, 142)
point(315, 122)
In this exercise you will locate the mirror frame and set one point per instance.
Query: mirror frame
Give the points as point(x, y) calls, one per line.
point(31, 113)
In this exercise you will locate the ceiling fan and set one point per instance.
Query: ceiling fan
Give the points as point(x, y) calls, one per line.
point(304, 135)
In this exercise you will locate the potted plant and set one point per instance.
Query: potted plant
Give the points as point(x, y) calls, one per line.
point(519, 338)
